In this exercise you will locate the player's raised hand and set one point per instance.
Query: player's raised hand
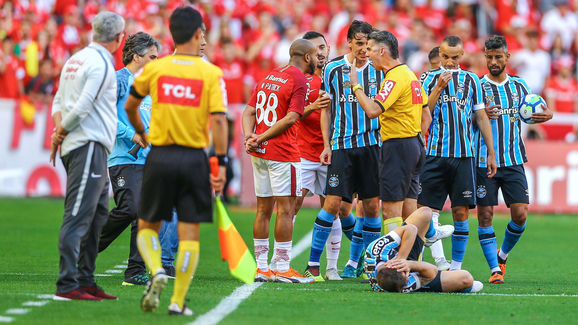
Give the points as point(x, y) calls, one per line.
point(325, 156)
point(353, 73)
point(444, 79)
point(322, 102)
point(546, 115)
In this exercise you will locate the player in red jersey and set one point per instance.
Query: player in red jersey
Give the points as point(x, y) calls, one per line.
point(276, 104)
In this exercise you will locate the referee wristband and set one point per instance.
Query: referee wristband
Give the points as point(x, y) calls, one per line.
point(354, 88)
point(223, 160)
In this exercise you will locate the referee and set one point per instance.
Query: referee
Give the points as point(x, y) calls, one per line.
point(187, 94)
point(401, 104)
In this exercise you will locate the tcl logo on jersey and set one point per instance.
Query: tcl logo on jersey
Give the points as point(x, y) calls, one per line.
point(179, 91)
point(385, 91)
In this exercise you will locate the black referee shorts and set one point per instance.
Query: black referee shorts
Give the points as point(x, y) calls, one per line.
point(176, 176)
point(512, 181)
point(354, 171)
point(447, 176)
point(400, 165)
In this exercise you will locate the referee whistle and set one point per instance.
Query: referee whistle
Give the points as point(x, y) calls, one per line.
point(214, 163)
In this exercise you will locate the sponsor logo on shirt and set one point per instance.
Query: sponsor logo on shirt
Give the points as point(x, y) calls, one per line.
point(385, 91)
point(179, 91)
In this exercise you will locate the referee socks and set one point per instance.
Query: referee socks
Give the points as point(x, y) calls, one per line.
point(149, 246)
point(187, 260)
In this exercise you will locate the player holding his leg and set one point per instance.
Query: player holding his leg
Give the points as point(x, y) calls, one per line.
point(270, 138)
point(188, 95)
point(504, 93)
point(351, 146)
point(391, 261)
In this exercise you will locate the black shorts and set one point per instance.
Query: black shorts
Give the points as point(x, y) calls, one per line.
point(176, 176)
point(416, 249)
point(447, 176)
point(354, 171)
point(401, 162)
point(512, 181)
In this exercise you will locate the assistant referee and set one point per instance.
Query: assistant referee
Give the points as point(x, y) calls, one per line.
point(187, 95)
point(401, 104)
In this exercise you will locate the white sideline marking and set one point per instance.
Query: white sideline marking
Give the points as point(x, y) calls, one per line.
point(5, 319)
point(45, 296)
point(120, 266)
point(113, 271)
point(35, 303)
point(18, 311)
point(103, 274)
point(523, 295)
point(231, 302)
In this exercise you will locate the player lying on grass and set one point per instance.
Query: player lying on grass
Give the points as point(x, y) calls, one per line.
point(391, 261)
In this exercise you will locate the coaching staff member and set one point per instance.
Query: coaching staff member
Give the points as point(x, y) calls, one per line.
point(188, 93)
point(84, 113)
point(400, 104)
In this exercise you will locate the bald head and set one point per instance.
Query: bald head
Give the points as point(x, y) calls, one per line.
point(303, 55)
point(300, 47)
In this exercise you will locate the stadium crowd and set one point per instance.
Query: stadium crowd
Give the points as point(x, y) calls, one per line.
point(247, 38)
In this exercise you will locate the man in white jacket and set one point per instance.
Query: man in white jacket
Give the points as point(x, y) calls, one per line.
point(84, 113)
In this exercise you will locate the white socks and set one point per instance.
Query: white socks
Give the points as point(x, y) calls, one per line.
point(437, 249)
point(283, 255)
point(333, 245)
point(261, 253)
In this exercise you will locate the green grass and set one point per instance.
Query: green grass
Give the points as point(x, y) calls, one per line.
point(543, 263)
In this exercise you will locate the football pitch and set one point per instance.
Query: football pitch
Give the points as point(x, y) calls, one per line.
point(541, 280)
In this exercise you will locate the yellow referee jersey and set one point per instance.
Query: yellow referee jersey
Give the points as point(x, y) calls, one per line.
point(185, 89)
point(401, 97)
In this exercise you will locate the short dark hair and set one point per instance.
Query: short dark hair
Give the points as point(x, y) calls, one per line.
point(184, 23)
point(434, 53)
point(312, 35)
point(452, 41)
point(390, 280)
point(496, 42)
point(139, 44)
point(358, 26)
point(388, 39)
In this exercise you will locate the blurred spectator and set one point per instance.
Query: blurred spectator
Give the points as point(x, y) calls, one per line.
point(282, 51)
point(69, 31)
point(11, 71)
point(561, 95)
point(41, 87)
point(559, 21)
point(342, 19)
point(532, 63)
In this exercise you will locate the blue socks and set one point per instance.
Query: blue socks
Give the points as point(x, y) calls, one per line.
point(513, 234)
point(357, 240)
point(431, 230)
point(371, 230)
point(460, 240)
point(321, 230)
point(347, 225)
point(489, 245)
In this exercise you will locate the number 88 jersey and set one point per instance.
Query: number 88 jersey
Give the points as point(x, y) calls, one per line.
point(284, 90)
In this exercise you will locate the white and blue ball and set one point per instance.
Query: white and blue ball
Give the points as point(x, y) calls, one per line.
point(530, 104)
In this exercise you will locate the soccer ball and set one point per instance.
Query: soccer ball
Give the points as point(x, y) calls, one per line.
point(530, 104)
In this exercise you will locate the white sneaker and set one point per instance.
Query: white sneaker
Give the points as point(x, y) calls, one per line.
point(477, 287)
point(442, 264)
point(174, 309)
point(332, 274)
point(441, 233)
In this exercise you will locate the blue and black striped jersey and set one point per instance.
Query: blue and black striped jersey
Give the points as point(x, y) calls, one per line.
point(350, 127)
point(451, 131)
point(506, 130)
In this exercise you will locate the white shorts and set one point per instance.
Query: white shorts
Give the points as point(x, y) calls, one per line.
point(276, 178)
point(314, 176)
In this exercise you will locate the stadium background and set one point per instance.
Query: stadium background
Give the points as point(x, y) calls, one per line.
point(247, 38)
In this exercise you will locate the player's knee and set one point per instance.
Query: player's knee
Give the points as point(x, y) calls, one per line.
point(332, 204)
point(519, 215)
point(466, 279)
point(485, 216)
point(460, 213)
point(371, 208)
point(390, 280)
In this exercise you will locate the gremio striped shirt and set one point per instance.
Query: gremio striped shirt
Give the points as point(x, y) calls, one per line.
point(350, 127)
point(506, 131)
point(451, 132)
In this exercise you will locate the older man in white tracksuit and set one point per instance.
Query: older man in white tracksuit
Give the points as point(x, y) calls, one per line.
point(84, 113)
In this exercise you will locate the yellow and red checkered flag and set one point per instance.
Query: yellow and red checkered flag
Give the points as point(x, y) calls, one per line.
point(233, 248)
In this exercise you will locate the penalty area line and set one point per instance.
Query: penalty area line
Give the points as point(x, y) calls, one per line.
point(230, 303)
